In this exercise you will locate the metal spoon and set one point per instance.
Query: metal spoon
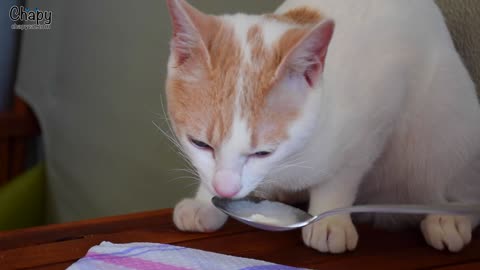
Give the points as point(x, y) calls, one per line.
point(277, 216)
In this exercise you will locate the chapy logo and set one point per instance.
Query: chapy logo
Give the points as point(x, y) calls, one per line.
point(26, 19)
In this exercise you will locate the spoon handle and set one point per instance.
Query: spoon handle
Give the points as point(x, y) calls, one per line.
point(449, 209)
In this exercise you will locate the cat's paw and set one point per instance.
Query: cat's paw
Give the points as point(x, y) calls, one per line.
point(196, 216)
point(451, 232)
point(335, 234)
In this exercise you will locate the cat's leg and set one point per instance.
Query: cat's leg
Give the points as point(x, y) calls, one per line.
point(335, 234)
point(198, 214)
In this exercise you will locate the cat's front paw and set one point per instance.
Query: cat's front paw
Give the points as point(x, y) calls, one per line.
point(451, 232)
point(197, 216)
point(335, 234)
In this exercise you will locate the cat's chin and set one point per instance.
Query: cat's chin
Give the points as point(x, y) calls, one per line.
point(288, 197)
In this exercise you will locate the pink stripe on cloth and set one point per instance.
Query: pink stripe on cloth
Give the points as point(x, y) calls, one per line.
point(134, 263)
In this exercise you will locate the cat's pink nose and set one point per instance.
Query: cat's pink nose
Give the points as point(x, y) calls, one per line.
point(227, 183)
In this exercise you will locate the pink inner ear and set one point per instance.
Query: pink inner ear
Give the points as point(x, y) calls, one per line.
point(308, 56)
point(182, 58)
point(316, 65)
point(185, 35)
point(312, 71)
point(181, 38)
point(181, 52)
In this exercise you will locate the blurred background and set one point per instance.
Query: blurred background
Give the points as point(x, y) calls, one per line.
point(94, 83)
point(77, 103)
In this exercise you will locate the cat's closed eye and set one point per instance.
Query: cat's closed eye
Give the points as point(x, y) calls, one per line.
point(261, 154)
point(200, 144)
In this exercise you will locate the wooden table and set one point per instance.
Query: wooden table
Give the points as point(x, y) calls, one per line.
point(58, 246)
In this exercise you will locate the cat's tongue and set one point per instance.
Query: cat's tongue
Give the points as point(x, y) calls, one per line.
point(227, 183)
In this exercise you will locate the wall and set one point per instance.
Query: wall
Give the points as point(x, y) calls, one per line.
point(95, 81)
point(8, 53)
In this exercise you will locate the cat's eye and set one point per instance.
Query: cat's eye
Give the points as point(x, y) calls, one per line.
point(262, 154)
point(200, 144)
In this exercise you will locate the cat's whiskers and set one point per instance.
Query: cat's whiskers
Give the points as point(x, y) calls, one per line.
point(190, 168)
point(166, 117)
point(284, 163)
point(266, 182)
point(170, 134)
point(193, 178)
point(187, 184)
point(292, 158)
point(297, 163)
point(169, 137)
point(294, 162)
point(174, 140)
point(185, 177)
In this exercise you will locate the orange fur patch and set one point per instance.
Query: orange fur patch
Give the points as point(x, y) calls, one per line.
point(204, 106)
point(268, 124)
point(208, 100)
point(300, 15)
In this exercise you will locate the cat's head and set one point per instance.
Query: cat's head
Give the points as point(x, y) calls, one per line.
point(238, 90)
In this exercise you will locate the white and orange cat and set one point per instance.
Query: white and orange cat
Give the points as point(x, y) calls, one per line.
point(336, 102)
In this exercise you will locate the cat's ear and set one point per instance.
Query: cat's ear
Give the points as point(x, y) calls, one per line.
point(188, 23)
point(307, 57)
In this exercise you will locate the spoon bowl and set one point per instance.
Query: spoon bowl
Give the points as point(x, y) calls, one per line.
point(263, 214)
point(276, 216)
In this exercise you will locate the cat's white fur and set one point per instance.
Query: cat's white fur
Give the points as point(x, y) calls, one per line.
point(395, 119)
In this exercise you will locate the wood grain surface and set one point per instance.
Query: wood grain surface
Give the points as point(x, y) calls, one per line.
point(58, 246)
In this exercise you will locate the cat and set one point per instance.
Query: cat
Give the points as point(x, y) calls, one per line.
point(334, 102)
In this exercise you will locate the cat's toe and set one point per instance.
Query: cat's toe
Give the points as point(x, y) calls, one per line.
point(196, 216)
point(451, 232)
point(333, 235)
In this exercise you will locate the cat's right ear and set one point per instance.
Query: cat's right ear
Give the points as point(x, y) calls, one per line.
point(307, 57)
point(188, 23)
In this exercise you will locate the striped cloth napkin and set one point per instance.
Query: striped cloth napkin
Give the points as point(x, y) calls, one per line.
point(151, 256)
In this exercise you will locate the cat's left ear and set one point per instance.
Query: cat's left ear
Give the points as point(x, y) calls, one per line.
point(307, 57)
point(190, 29)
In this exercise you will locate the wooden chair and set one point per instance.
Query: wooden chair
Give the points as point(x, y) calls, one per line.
point(17, 127)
